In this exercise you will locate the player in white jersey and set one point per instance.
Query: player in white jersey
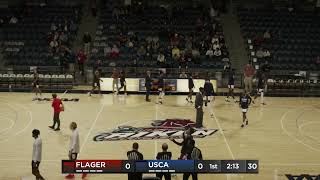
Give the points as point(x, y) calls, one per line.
point(36, 154)
point(74, 147)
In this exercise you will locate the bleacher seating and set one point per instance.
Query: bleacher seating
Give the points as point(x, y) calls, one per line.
point(152, 22)
point(26, 42)
point(294, 42)
point(47, 81)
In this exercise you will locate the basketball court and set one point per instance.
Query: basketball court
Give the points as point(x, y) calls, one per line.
point(283, 135)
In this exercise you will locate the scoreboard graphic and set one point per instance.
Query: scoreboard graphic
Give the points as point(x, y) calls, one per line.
point(155, 166)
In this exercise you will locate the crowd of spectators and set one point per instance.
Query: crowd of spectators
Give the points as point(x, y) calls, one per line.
point(166, 44)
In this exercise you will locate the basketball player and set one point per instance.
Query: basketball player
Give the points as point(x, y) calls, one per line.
point(148, 84)
point(209, 93)
point(96, 82)
point(35, 85)
point(164, 155)
point(231, 77)
point(57, 108)
point(244, 102)
point(161, 87)
point(186, 148)
point(190, 86)
point(198, 104)
point(135, 155)
point(74, 147)
point(123, 82)
point(195, 155)
point(36, 154)
point(260, 88)
point(115, 81)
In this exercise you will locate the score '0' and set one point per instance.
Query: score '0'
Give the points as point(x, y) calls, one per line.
point(200, 166)
point(128, 166)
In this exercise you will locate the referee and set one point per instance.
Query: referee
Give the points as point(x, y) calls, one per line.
point(135, 155)
point(164, 155)
point(195, 155)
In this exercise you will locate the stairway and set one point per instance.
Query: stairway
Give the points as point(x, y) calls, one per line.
point(235, 43)
point(88, 24)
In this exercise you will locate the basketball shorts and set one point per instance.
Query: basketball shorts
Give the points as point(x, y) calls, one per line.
point(244, 110)
point(35, 165)
point(230, 86)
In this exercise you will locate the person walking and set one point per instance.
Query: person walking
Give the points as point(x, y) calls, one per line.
point(148, 84)
point(199, 108)
point(36, 154)
point(249, 72)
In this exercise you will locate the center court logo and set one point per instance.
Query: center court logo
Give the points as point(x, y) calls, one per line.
point(159, 129)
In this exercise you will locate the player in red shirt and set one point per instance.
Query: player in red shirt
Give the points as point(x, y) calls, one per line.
point(57, 108)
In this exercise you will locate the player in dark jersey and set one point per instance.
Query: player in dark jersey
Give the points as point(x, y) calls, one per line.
point(164, 155)
point(244, 103)
point(96, 82)
point(231, 77)
point(36, 85)
point(209, 93)
point(190, 87)
point(161, 87)
point(186, 148)
point(260, 88)
point(195, 155)
point(135, 155)
point(123, 82)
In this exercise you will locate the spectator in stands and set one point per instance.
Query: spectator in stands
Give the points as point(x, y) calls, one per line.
point(317, 60)
point(266, 35)
point(209, 53)
point(53, 27)
point(122, 38)
point(149, 52)
point(107, 51)
point(86, 41)
point(183, 61)
point(63, 38)
point(73, 27)
point(175, 53)
point(258, 40)
point(81, 60)
point(188, 43)
point(155, 39)
point(266, 54)
point(161, 60)
point(54, 46)
point(115, 13)
point(141, 53)
point(215, 45)
point(175, 40)
point(66, 25)
point(249, 72)
point(183, 75)
point(214, 39)
point(217, 52)
point(260, 53)
point(213, 13)
point(221, 39)
point(13, 20)
point(199, 24)
point(195, 55)
point(115, 52)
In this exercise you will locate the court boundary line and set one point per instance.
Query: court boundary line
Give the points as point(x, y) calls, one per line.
point(92, 126)
point(27, 125)
point(304, 134)
point(290, 135)
point(224, 137)
point(225, 140)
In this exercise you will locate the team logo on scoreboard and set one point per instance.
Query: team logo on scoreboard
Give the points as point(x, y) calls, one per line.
point(159, 129)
